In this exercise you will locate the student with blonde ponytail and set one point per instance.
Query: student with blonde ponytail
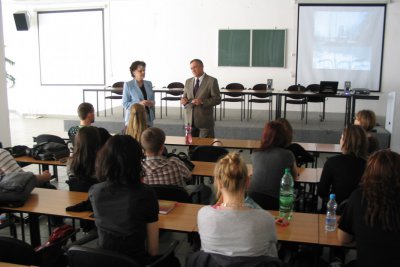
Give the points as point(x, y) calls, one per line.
point(137, 121)
point(232, 227)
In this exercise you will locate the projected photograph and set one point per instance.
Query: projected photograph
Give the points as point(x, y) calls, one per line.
point(341, 41)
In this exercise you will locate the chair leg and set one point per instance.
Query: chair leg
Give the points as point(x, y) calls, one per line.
point(306, 112)
point(161, 108)
point(284, 110)
point(323, 110)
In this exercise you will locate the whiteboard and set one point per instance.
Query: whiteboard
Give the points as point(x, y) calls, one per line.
point(71, 47)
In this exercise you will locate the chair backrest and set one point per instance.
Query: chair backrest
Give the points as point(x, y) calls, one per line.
point(173, 86)
point(313, 87)
point(118, 85)
point(266, 202)
point(171, 192)
point(80, 185)
point(90, 257)
point(234, 86)
point(208, 153)
point(201, 258)
point(16, 251)
point(294, 88)
point(48, 138)
point(261, 87)
point(176, 85)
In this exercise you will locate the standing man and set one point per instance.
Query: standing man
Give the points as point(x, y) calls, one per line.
point(200, 95)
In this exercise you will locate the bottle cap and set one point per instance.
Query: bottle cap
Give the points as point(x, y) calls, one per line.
point(332, 196)
point(287, 170)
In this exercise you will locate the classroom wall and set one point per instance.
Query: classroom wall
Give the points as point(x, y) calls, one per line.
point(167, 35)
point(5, 138)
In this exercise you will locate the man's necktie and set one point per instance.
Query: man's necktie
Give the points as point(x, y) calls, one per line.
point(196, 87)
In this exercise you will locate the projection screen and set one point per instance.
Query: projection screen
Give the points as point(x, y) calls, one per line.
point(340, 43)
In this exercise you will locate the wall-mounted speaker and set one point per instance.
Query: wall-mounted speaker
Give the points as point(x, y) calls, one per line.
point(21, 21)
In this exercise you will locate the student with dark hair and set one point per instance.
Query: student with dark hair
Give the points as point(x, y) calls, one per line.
point(342, 173)
point(270, 161)
point(139, 91)
point(81, 165)
point(372, 214)
point(367, 119)
point(87, 117)
point(126, 210)
point(301, 155)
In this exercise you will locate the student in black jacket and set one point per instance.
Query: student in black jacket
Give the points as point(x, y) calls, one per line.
point(342, 173)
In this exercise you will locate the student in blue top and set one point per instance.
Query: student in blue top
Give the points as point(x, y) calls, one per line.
point(139, 91)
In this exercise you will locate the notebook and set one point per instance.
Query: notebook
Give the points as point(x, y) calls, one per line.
point(166, 206)
point(327, 87)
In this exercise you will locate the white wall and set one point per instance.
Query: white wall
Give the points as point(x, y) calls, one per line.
point(167, 35)
point(4, 118)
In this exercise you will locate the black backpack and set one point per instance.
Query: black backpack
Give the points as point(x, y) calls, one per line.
point(49, 151)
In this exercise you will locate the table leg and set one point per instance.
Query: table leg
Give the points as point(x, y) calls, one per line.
point(353, 108)
point(348, 111)
point(278, 106)
point(34, 229)
point(97, 102)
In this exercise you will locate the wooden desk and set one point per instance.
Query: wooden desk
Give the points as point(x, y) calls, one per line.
point(229, 143)
point(27, 159)
point(303, 228)
point(327, 238)
point(182, 218)
point(328, 148)
point(306, 175)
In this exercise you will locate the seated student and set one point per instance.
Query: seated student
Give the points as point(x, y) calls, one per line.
point(372, 214)
point(86, 116)
point(232, 228)
point(159, 169)
point(81, 165)
point(300, 154)
point(367, 119)
point(137, 121)
point(126, 210)
point(168, 171)
point(8, 165)
point(342, 173)
point(270, 161)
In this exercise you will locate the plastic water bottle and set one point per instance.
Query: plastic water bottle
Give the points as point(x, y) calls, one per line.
point(286, 197)
point(330, 221)
point(188, 134)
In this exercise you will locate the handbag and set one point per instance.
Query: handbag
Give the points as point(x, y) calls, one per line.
point(16, 187)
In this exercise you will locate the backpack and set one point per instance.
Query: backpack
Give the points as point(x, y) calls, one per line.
point(17, 151)
point(183, 157)
point(16, 187)
point(49, 151)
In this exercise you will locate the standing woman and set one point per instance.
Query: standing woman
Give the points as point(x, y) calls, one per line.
point(372, 215)
point(139, 91)
point(342, 173)
point(126, 210)
point(137, 121)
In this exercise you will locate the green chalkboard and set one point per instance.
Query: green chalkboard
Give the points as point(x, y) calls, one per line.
point(234, 48)
point(268, 48)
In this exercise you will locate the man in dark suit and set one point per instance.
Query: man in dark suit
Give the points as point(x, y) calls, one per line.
point(200, 95)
